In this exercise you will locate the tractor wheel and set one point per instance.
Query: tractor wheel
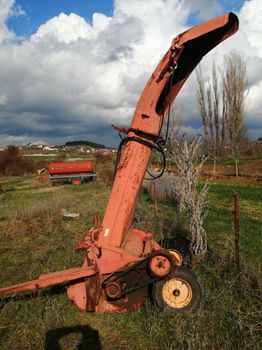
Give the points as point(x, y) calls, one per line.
point(178, 292)
point(76, 181)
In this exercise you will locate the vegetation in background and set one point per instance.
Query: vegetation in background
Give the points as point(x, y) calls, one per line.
point(12, 163)
point(85, 143)
point(222, 105)
point(234, 87)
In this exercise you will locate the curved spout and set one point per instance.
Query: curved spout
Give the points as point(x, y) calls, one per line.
point(185, 53)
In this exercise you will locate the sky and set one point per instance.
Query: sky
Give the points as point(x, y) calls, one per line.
point(71, 68)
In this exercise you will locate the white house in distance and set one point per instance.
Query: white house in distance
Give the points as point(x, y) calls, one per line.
point(50, 148)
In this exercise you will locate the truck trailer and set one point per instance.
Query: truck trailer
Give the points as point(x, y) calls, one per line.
point(75, 172)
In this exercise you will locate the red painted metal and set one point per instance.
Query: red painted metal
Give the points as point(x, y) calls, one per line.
point(116, 248)
point(50, 279)
point(42, 178)
point(83, 166)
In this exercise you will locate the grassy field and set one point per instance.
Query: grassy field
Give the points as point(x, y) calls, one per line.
point(35, 239)
point(247, 167)
point(58, 157)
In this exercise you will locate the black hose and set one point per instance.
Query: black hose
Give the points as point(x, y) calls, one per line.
point(157, 146)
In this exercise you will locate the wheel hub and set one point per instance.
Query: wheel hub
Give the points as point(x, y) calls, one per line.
point(177, 293)
point(113, 290)
point(160, 265)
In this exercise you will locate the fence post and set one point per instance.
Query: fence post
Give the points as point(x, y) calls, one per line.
point(236, 231)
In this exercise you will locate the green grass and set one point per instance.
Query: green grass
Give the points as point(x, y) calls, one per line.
point(59, 157)
point(34, 239)
point(220, 222)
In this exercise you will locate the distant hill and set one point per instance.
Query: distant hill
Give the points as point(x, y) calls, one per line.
point(85, 143)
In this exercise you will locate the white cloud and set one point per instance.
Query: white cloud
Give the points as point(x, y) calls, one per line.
point(65, 29)
point(8, 8)
point(3, 100)
point(5, 12)
point(72, 79)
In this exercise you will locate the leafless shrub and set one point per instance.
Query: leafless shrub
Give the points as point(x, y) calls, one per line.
point(189, 161)
point(12, 163)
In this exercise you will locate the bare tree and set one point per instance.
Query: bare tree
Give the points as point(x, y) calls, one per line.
point(174, 127)
point(224, 120)
point(212, 146)
point(210, 115)
point(189, 161)
point(234, 87)
point(224, 99)
point(216, 104)
point(208, 100)
point(202, 102)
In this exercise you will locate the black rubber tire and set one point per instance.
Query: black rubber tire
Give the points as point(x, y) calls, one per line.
point(182, 274)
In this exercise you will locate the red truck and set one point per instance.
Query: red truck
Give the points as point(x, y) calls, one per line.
point(76, 172)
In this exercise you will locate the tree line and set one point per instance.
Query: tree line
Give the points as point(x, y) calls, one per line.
point(85, 143)
point(221, 103)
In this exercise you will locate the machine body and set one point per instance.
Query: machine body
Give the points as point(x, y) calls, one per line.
point(123, 264)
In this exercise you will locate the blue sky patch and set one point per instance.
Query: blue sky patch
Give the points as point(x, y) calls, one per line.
point(39, 11)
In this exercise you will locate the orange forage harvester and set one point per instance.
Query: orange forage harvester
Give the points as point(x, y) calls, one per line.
point(123, 264)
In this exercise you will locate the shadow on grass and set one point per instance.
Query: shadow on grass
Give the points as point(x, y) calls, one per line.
point(89, 341)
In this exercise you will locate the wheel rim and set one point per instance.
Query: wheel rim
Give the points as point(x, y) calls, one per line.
point(160, 265)
point(76, 181)
point(177, 256)
point(177, 293)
